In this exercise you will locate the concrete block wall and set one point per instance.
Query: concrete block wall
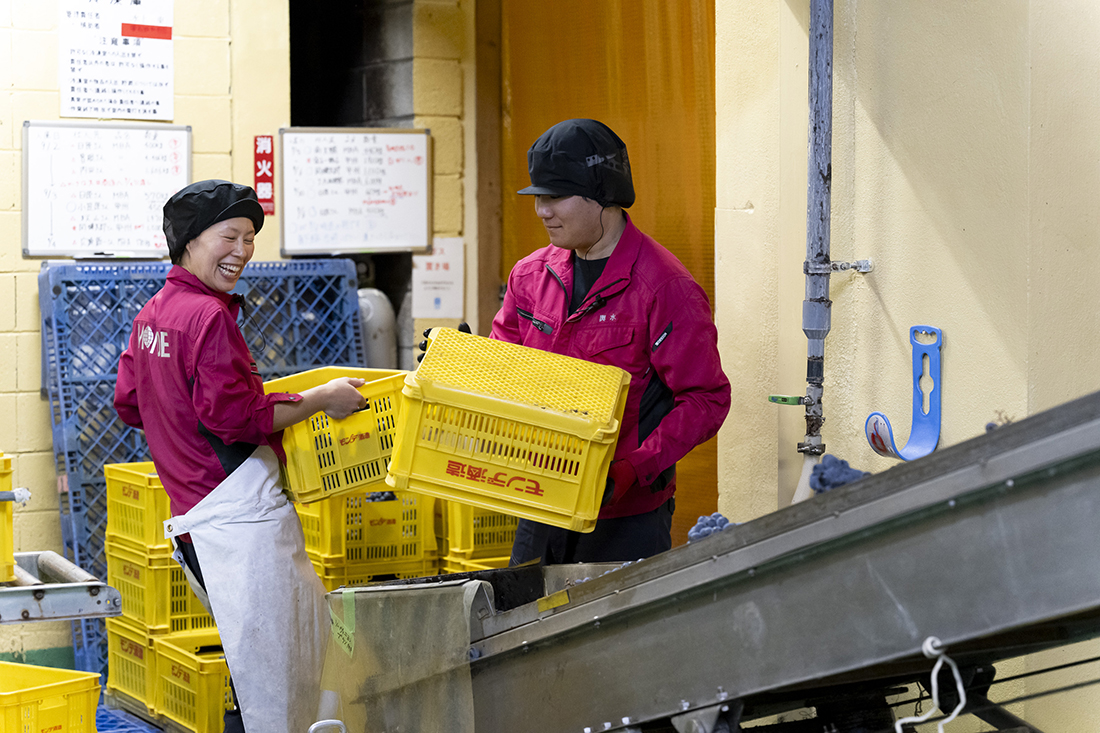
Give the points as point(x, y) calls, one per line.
point(28, 91)
point(442, 82)
point(438, 42)
point(231, 83)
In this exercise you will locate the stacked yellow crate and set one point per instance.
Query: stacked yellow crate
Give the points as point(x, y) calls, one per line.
point(355, 538)
point(164, 659)
point(475, 538)
point(45, 699)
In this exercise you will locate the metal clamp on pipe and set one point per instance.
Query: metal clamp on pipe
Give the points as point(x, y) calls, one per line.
point(827, 268)
point(19, 496)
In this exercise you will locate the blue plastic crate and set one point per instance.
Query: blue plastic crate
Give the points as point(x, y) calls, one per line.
point(109, 720)
point(297, 315)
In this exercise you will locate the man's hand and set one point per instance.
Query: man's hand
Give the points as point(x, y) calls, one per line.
point(620, 477)
point(463, 327)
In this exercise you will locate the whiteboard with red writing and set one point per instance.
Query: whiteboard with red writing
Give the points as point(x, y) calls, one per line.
point(355, 190)
point(95, 189)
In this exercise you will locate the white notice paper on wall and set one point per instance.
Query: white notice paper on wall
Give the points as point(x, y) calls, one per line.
point(115, 59)
point(437, 280)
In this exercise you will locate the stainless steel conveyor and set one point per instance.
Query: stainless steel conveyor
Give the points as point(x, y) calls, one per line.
point(991, 545)
point(47, 587)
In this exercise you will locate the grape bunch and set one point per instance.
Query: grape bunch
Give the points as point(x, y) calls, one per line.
point(706, 526)
point(833, 473)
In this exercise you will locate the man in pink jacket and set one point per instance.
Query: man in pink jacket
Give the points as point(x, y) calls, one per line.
point(606, 292)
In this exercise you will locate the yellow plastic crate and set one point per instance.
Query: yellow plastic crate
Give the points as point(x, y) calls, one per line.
point(7, 524)
point(327, 457)
point(34, 699)
point(509, 428)
point(192, 680)
point(338, 574)
point(454, 564)
point(474, 532)
point(131, 662)
point(137, 506)
point(154, 591)
point(348, 527)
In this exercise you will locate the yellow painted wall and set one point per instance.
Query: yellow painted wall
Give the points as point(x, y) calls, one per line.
point(443, 101)
point(232, 81)
point(965, 157)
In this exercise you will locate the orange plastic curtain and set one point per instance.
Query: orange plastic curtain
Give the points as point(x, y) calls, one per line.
point(646, 69)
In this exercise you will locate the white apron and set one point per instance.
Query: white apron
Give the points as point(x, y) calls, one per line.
point(265, 596)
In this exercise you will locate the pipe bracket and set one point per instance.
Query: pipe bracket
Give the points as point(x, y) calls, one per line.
point(827, 268)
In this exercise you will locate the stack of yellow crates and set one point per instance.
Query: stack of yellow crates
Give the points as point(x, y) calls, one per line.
point(7, 528)
point(164, 658)
point(335, 471)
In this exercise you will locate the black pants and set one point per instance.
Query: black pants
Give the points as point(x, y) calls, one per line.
point(233, 721)
point(613, 540)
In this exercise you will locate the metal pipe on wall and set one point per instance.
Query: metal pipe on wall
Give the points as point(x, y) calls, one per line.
point(816, 308)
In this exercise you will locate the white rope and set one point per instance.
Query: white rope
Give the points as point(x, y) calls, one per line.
point(933, 649)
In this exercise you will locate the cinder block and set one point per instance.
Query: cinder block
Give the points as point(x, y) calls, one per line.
point(11, 638)
point(209, 120)
point(5, 13)
point(387, 90)
point(7, 303)
point(32, 416)
point(447, 206)
point(37, 52)
point(9, 369)
point(7, 127)
point(202, 18)
point(27, 316)
point(9, 428)
point(24, 640)
point(11, 179)
point(30, 105)
point(439, 29)
point(202, 66)
point(11, 252)
point(437, 87)
point(6, 69)
point(40, 15)
point(213, 165)
point(37, 531)
point(448, 151)
point(28, 363)
point(37, 472)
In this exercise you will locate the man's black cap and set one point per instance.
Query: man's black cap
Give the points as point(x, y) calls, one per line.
point(195, 208)
point(581, 158)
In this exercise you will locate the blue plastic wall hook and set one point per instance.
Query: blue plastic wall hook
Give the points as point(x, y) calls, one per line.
point(925, 434)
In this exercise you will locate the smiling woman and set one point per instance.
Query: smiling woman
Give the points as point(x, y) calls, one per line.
point(218, 255)
point(189, 381)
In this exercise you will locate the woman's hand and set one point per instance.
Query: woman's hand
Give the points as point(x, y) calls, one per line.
point(340, 397)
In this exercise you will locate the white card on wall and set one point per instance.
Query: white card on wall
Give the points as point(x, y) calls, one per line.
point(437, 280)
point(116, 59)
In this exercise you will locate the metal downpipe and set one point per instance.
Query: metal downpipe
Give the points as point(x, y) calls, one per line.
point(816, 308)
